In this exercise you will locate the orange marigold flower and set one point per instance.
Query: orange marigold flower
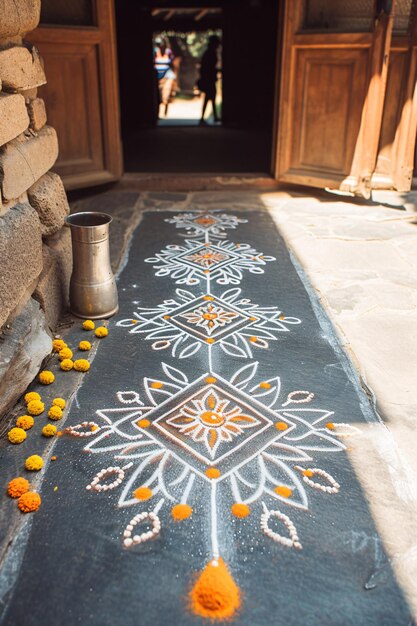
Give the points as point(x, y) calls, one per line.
point(55, 413)
point(17, 487)
point(81, 365)
point(35, 407)
point(58, 344)
point(239, 509)
point(101, 331)
point(65, 353)
point(143, 493)
point(32, 395)
point(59, 402)
point(84, 345)
point(29, 502)
point(46, 377)
point(89, 325)
point(34, 463)
point(66, 365)
point(49, 430)
point(25, 422)
point(16, 435)
point(180, 512)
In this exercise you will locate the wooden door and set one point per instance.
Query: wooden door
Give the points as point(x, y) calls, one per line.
point(396, 149)
point(334, 68)
point(77, 42)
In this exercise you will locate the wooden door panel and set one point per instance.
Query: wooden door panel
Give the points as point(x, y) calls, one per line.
point(328, 96)
point(73, 98)
point(81, 94)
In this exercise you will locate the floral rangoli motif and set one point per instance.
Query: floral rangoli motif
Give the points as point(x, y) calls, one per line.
point(179, 440)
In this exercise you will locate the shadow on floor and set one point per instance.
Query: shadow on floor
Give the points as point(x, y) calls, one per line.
point(193, 149)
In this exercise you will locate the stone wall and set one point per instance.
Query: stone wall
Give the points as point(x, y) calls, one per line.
point(35, 252)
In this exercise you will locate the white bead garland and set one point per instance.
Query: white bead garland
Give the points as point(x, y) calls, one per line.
point(104, 473)
point(290, 542)
point(75, 431)
point(145, 536)
point(334, 486)
point(308, 396)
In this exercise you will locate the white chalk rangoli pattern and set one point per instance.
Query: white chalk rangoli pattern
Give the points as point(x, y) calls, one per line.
point(183, 438)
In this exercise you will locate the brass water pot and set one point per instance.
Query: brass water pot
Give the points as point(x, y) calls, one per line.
point(93, 291)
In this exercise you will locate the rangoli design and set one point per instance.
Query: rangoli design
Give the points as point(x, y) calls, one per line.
point(183, 439)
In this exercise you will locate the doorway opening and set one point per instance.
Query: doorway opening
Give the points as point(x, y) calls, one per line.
point(162, 132)
point(180, 69)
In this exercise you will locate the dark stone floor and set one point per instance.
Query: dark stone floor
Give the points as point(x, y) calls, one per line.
point(76, 568)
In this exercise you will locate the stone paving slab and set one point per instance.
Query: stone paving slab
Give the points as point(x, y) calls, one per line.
point(341, 576)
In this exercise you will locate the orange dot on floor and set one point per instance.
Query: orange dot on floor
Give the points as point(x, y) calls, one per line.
point(253, 339)
point(281, 317)
point(59, 433)
point(134, 321)
point(157, 384)
point(166, 317)
point(210, 340)
point(240, 510)
point(330, 425)
point(93, 428)
point(208, 298)
point(308, 473)
point(211, 379)
point(253, 319)
point(143, 493)
point(213, 472)
point(207, 244)
point(181, 511)
point(281, 426)
point(283, 491)
point(143, 423)
point(53, 458)
point(265, 385)
point(206, 271)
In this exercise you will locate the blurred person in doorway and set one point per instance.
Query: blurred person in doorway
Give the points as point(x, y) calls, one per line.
point(163, 58)
point(208, 77)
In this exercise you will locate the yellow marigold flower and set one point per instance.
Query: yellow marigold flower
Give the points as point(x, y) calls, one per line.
point(66, 365)
point(84, 345)
point(65, 353)
point(55, 413)
point(34, 463)
point(58, 344)
point(46, 377)
point(32, 395)
point(25, 422)
point(101, 331)
point(49, 430)
point(29, 502)
point(16, 435)
point(81, 365)
point(17, 487)
point(59, 402)
point(89, 325)
point(35, 407)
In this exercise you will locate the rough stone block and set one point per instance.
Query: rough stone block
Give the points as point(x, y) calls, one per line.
point(37, 113)
point(21, 68)
point(23, 347)
point(20, 254)
point(18, 18)
point(25, 159)
point(48, 198)
point(61, 249)
point(49, 291)
point(14, 118)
